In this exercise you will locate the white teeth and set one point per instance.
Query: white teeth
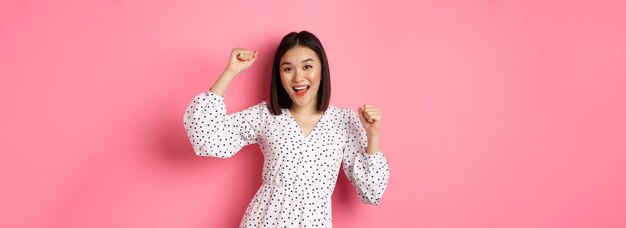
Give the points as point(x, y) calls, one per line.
point(300, 87)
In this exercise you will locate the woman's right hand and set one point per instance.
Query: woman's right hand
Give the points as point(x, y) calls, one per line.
point(241, 59)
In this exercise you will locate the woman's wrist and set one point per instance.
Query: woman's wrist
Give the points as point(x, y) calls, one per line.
point(372, 135)
point(230, 73)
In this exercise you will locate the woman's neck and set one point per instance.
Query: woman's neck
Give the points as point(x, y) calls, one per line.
point(309, 109)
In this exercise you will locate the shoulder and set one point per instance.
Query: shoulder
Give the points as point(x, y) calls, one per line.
point(342, 113)
point(262, 107)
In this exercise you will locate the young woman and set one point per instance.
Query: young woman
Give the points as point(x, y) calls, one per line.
point(303, 139)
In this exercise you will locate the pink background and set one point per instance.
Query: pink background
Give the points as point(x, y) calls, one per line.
point(497, 113)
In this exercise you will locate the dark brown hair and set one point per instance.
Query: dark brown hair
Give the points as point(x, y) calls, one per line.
point(278, 96)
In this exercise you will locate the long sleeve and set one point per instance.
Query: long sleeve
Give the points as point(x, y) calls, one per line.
point(369, 174)
point(213, 133)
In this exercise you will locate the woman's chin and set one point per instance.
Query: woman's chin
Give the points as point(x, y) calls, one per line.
point(301, 101)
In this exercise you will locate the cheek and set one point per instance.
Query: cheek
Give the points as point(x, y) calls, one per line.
point(315, 76)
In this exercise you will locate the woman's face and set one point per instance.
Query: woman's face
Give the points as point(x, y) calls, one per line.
point(301, 73)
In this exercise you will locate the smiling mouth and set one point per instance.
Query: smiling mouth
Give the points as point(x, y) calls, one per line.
point(300, 90)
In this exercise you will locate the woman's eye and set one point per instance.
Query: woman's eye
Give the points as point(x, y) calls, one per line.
point(308, 67)
point(287, 69)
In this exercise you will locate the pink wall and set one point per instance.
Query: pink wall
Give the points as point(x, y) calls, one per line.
point(497, 113)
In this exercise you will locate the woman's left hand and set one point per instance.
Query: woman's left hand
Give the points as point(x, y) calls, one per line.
point(370, 118)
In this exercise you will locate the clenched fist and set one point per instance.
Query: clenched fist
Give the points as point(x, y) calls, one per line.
point(241, 59)
point(370, 119)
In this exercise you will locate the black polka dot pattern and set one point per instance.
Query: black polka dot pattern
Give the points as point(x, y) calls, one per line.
point(299, 173)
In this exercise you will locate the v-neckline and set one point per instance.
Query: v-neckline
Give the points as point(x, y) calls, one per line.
point(315, 127)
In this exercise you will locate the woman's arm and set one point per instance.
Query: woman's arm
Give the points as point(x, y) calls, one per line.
point(363, 163)
point(210, 130)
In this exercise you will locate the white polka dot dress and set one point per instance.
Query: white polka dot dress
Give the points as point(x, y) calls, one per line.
point(299, 173)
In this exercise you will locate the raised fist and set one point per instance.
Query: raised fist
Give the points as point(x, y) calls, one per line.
point(241, 59)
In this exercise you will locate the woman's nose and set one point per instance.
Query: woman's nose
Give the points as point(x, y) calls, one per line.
point(298, 76)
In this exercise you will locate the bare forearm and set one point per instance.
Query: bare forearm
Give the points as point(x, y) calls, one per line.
point(372, 144)
point(221, 85)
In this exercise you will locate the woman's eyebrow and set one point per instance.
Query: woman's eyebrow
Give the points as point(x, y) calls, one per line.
point(289, 63)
